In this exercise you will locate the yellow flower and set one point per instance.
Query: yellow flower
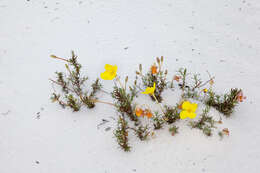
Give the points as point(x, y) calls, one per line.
point(205, 90)
point(110, 72)
point(188, 110)
point(149, 90)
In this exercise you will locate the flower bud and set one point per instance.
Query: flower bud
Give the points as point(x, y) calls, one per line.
point(53, 56)
point(161, 58)
point(140, 67)
point(158, 60)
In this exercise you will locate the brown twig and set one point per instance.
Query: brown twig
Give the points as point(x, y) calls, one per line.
point(99, 101)
point(78, 93)
point(199, 85)
point(72, 90)
point(158, 103)
point(60, 84)
point(55, 57)
point(206, 82)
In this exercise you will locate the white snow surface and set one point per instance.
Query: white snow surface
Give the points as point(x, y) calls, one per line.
point(221, 36)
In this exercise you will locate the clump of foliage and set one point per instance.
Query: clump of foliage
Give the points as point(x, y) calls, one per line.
point(173, 130)
point(171, 114)
point(155, 75)
point(220, 134)
point(142, 132)
point(205, 123)
point(124, 100)
point(141, 118)
point(157, 121)
point(191, 89)
point(224, 104)
point(121, 133)
point(182, 76)
point(74, 93)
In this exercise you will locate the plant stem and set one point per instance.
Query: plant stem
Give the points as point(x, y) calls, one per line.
point(95, 101)
point(60, 84)
point(158, 103)
point(105, 91)
point(206, 82)
point(117, 78)
point(63, 59)
point(78, 93)
point(99, 101)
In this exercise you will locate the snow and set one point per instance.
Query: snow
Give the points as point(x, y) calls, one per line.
point(37, 136)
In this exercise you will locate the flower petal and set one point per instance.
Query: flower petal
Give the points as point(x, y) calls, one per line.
point(194, 107)
point(107, 76)
point(111, 68)
point(108, 67)
point(152, 91)
point(184, 114)
point(191, 115)
point(147, 91)
point(114, 68)
point(186, 105)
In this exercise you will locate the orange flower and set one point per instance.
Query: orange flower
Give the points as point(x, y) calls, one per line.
point(180, 105)
point(139, 112)
point(177, 78)
point(240, 96)
point(154, 69)
point(148, 113)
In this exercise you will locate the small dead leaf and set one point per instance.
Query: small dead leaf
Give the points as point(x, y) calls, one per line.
point(226, 131)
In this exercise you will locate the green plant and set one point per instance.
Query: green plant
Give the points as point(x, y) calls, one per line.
point(157, 121)
point(142, 132)
point(74, 94)
point(205, 123)
point(173, 130)
point(183, 75)
point(193, 89)
point(171, 114)
point(121, 134)
point(124, 101)
point(220, 134)
point(224, 104)
point(155, 75)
